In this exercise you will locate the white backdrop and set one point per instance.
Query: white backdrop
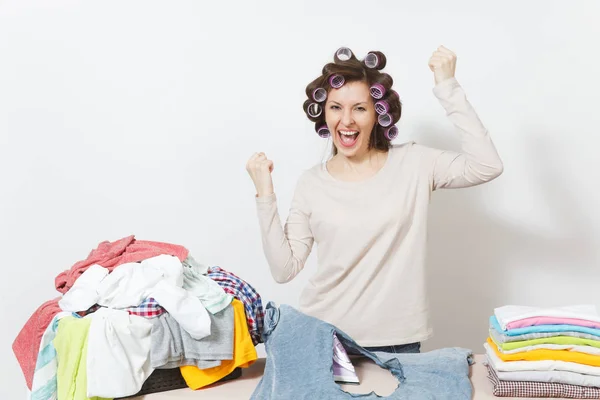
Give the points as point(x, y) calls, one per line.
point(138, 117)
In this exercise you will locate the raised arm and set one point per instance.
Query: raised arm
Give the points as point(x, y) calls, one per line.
point(477, 161)
point(286, 249)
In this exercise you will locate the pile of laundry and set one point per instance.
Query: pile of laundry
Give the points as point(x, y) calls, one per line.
point(544, 352)
point(132, 307)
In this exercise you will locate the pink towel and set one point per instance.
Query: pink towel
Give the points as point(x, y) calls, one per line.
point(525, 322)
point(27, 344)
point(110, 255)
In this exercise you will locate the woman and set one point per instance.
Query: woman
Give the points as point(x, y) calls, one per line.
point(366, 207)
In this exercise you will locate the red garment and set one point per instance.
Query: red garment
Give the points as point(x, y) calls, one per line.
point(27, 344)
point(110, 255)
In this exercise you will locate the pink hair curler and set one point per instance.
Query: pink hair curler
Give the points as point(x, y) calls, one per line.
point(336, 81)
point(377, 90)
point(319, 95)
point(382, 107)
point(385, 120)
point(343, 54)
point(323, 131)
point(314, 110)
point(391, 133)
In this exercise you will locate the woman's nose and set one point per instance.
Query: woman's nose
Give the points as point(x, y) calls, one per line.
point(347, 119)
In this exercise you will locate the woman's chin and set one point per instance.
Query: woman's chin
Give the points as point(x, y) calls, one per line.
point(348, 152)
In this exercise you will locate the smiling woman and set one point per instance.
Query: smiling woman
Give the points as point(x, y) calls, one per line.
point(366, 208)
point(350, 113)
point(360, 106)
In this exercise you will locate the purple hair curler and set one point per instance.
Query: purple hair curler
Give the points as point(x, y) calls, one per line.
point(323, 131)
point(382, 107)
point(319, 95)
point(391, 133)
point(336, 81)
point(377, 90)
point(375, 60)
point(343, 54)
point(385, 120)
point(371, 60)
point(314, 110)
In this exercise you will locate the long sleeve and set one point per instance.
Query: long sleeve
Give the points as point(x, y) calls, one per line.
point(478, 161)
point(286, 249)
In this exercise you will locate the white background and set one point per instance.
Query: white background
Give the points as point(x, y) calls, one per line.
point(138, 117)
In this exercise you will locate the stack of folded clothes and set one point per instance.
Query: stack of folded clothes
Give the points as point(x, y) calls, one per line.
point(544, 352)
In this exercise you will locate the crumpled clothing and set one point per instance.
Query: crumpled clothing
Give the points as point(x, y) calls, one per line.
point(112, 254)
point(27, 343)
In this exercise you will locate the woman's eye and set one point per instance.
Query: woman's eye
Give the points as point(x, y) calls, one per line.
point(361, 109)
point(335, 107)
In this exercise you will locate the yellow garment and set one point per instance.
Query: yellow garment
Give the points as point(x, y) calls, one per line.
point(547, 354)
point(244, 354)
point(71, 352)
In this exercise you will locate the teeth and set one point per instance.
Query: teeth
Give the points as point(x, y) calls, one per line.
point(348, 133)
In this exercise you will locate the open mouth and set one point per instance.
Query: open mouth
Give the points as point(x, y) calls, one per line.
point(348, 138)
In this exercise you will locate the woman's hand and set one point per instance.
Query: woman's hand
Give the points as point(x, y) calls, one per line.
point(443, 64)
point(260, 167)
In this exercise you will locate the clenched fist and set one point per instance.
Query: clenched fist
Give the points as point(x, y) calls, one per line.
point(443, 64)
point(260, 167)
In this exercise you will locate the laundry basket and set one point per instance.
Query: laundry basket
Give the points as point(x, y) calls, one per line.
point(162, 380)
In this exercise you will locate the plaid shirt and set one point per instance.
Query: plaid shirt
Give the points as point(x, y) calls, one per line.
point(540, 389)
point(245, 293)
point(148, 309)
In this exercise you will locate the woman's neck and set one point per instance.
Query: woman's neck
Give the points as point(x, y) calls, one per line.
point(357, 167)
